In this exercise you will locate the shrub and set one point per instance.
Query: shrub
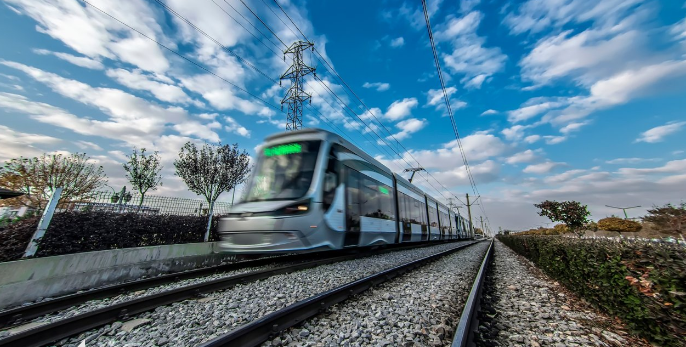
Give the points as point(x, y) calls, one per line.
point(642, 283)
point(592, 226)
point(619, 225)
point(15, 237)
point(560, 229)
point(75, 232)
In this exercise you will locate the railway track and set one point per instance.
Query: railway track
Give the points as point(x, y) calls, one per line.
point(267, 327)
point(51, 332)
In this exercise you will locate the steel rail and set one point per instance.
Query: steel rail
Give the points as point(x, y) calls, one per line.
point(259, 331)
point(469, 320)
point(18, 315)
point(55, 331)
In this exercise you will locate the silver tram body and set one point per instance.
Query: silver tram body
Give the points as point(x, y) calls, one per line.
point(312, 190)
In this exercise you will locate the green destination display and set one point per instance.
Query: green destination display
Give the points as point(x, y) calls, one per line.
point(290, 148)
point(383, 190)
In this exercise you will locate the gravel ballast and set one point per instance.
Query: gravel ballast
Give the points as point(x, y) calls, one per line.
point(420, 308)
point(190, 322)
point(523, 307)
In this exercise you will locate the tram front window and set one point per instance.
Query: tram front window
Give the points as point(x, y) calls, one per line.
point(284, 172)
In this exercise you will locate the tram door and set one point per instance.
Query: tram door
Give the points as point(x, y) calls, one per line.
point(352, 202)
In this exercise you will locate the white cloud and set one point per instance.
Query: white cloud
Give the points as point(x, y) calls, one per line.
point(542, 168)
point(522, 157)
point(379, 86)
point(571, 127)
point(138, 80)
point(535, 16)
point(412, 13)
point(16, 144)
point(553, 140)
point(563, 177)
point(489, 111)
point(233, 126)
point(657, 134)
point(532, 108)
point(95, 35)
point(200, 130)
point(435, 98)
point(398, 42)
point(408, 127)
point(477, 148)
point(80, 61)
point(631, 160)
point(515, 133)
point(400, 109)
point(87, 145)
point(532, 138)
point(483, 173)
point(674, 166)
point(469, 56)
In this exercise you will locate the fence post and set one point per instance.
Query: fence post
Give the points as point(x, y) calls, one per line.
point(209, 222)
point(44, 223)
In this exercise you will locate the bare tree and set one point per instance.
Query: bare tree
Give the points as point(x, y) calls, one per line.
point(143, 171)
point(212, 170)
point(38, 178)
point(669, 217)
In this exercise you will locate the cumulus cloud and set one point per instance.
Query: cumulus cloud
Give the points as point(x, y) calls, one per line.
point(489, 112)
point(543, 168)
point(79, 61)
point(477, 147)
point(630, 160)
point(398, 42)
point(400, 109)
point(469, 57)
point(657, 134)
point(379, 86)
point(408, 127)
point(139, 81)
point(435, 97)
point(522, 157)
point(97, 36)
point(233, 126)
point(16, 143)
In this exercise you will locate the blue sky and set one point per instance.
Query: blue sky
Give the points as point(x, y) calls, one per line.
point(567, 99)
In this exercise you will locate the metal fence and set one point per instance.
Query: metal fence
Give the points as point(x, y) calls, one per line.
point(131, 202)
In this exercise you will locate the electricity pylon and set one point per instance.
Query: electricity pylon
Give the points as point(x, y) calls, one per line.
point(295, 95)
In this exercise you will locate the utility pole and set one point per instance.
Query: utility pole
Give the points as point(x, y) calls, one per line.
point(414, 171)
point(482, 225)
point(623, 209)
point(469, 212)
point(295, 95)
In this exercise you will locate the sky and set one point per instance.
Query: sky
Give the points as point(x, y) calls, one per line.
point(563, 99)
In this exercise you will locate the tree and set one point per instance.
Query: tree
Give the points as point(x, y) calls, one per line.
point(668, 217)
point(212, 170)
point(143, 171)
point(571, 213)
point(38, 178)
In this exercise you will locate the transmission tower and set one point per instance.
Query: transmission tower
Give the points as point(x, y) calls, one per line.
point(295, 96)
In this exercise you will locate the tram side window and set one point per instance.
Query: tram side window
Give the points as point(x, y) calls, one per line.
point(369, 198)
point(414, 211)
point(404, 207)
point(386, 201)
point(432, 217)
point(353, 203)
point(422, 216)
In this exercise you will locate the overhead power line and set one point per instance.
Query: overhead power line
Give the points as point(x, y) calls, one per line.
point(446, 98)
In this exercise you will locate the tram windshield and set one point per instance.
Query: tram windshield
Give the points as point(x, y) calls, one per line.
point(284, 171)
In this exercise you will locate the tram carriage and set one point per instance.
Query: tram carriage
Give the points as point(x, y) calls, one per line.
point(312, 190)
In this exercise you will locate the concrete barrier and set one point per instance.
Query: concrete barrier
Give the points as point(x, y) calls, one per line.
point(31, 279)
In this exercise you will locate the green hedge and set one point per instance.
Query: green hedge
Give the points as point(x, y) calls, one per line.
point(75, 232)
point(642, 283)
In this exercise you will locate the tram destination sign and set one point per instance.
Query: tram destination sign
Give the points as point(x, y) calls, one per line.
point(291, 148)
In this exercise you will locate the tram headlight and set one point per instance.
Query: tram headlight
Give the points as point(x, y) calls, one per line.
point(300, 207)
